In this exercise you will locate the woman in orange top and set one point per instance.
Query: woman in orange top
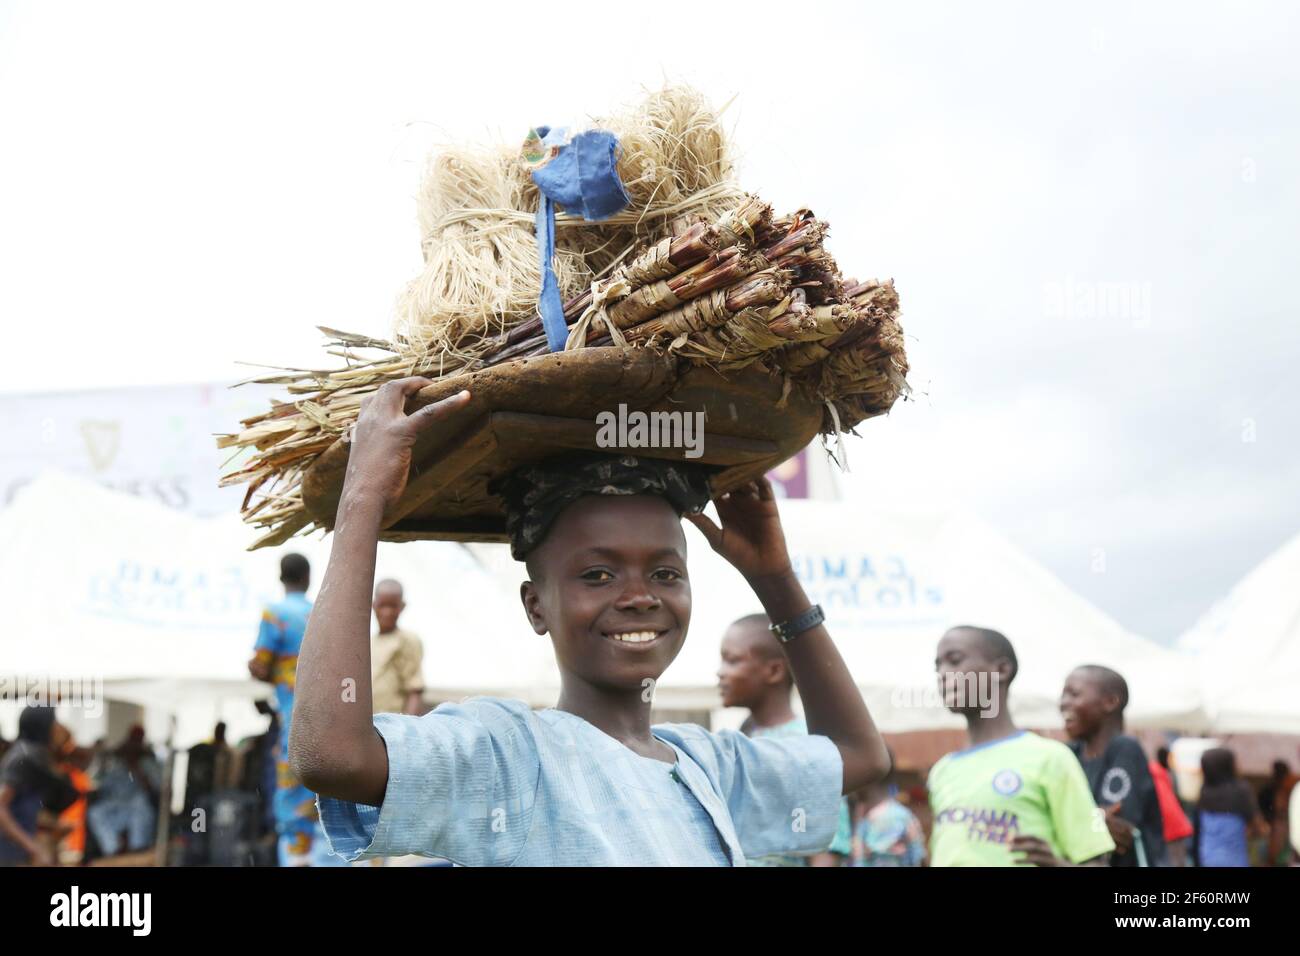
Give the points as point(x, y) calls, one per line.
point(72, 761)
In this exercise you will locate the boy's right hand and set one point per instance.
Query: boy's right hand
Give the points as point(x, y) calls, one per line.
point(1121, 831)
point(380, 458)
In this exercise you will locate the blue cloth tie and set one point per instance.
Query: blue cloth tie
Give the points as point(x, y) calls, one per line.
point(583, 178)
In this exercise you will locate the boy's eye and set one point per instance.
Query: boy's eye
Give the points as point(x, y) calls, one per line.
point(597, 576)
point(667, 574)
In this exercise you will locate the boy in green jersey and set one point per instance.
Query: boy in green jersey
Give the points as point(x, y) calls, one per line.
point(1012, 798)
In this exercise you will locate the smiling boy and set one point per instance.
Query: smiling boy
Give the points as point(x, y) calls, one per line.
point(1092, 706)
point(589, 781)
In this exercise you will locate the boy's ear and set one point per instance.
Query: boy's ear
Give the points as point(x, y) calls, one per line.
point(532, 601)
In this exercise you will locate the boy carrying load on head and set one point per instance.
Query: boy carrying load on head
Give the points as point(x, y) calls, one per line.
point(590, 781)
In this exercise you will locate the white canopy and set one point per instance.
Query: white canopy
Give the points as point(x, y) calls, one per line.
point(1247, 647)
point(100, 589)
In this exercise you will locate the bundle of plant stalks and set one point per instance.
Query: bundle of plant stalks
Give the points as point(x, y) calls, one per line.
point(694, 269)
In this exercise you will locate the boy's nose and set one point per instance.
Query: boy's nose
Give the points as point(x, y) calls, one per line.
point(639, 598)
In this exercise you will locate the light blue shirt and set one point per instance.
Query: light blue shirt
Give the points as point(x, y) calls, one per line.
point(842, 843)
point(489, 782)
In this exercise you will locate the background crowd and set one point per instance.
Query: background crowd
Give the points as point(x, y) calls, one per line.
point(1106, 799)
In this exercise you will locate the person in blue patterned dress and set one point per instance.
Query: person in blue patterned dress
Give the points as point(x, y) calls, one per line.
point(275, 660)
point(887, 833)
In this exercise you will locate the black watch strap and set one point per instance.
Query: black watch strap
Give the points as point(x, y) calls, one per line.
point(792, 628)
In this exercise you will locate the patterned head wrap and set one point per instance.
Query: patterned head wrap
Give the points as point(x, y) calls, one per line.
point(535, 494)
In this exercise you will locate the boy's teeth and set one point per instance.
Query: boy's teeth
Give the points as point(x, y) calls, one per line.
point(635, 637)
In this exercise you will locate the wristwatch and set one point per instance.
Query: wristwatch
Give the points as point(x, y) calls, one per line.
point(789, 630)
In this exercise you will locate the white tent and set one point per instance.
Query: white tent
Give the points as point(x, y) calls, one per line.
point(125, 599)
point(1248, 650)
point(891, 581)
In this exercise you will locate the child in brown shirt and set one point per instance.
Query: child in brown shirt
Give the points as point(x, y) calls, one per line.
point(396, 657)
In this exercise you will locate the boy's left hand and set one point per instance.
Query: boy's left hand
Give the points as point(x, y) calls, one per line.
point(750, 538)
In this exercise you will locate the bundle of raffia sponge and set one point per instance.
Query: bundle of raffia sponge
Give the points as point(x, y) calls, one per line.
point(693, 267)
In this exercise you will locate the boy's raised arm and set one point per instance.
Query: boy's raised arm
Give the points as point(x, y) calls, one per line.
point(752, 540)
point(334, 748)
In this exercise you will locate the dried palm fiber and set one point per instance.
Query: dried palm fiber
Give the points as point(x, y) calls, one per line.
point(790, 244)
point(736, 343)
point(867, 304)
point(727, 331)
point(866, 370)
point(733, 264)
point(481, 274)
point(716, 308)
point(695, 251)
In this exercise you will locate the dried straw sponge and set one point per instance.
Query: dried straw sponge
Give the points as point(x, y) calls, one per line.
point(476, 209)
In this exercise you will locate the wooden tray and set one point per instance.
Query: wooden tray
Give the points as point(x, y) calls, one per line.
point(534, 408)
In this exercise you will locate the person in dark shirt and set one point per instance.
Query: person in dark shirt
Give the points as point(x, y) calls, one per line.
point(30, 783)
point(1092, 703)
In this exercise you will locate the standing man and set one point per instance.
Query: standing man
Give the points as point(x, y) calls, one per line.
point(275, 661)
point(396, 657)
point(754, 673)
point(128, 783)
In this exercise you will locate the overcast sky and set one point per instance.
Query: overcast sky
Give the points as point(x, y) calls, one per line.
point(1090, 215)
